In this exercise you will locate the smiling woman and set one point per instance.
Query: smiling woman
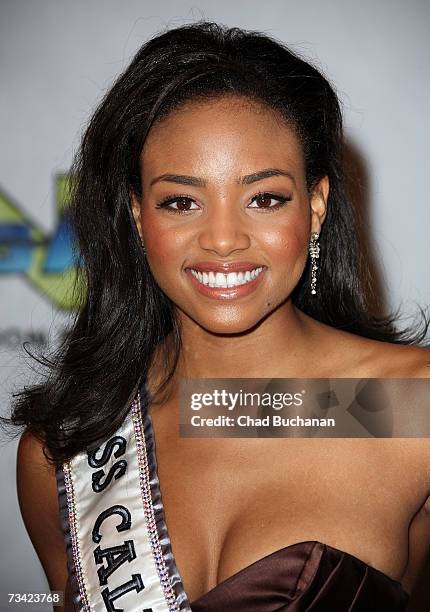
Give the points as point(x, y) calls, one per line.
point(229, 220)
point(216, 240)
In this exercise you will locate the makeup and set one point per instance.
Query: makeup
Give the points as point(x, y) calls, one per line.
point(211, 276)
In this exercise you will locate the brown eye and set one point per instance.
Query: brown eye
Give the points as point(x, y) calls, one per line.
point(178, 204)
point(265, 201)
point(183, 203)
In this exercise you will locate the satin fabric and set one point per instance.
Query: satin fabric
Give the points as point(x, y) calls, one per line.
point(303, 577)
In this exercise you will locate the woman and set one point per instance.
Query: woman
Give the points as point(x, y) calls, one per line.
point(208, 183)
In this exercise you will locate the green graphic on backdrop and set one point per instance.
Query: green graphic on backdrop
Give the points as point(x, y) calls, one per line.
point(44, 260)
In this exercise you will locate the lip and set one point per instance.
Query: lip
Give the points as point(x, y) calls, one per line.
point(222, 293)
point(226, 267)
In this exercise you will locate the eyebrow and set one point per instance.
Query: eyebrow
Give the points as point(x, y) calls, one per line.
point(195, 181)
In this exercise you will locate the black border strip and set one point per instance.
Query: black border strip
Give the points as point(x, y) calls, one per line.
point(64, 520)
point(157, 503)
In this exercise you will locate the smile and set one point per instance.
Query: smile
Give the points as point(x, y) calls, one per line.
point(225, 281)
point(218, 285)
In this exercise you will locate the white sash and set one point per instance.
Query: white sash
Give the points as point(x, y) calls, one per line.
point(118, 548)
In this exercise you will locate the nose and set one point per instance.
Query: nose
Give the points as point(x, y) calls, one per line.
point(224, 230)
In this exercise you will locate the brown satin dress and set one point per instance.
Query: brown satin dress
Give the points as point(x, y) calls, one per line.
point(303, 577)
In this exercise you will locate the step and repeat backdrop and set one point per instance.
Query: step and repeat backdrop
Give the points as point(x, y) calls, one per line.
point(57, 58)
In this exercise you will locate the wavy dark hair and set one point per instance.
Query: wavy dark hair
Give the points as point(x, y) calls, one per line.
point(124, 315)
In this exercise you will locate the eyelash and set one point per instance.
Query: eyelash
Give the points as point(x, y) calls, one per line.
point(282, 200)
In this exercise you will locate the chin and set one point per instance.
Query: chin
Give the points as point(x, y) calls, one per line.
point(227, 324)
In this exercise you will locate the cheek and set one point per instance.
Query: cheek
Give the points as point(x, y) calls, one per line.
point(164, 246)
point(163, 242)
point(167, 251)
point(288, 245)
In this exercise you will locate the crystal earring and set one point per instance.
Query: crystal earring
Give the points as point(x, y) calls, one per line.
point(314, 250)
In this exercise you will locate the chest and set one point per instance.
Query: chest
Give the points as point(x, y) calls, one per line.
point(231, 502)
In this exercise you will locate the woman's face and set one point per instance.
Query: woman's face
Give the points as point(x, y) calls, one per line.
point(223, 184)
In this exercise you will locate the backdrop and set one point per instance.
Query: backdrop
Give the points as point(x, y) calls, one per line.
point(58, 58)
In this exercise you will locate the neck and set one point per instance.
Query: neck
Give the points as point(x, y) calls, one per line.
point(282, 345)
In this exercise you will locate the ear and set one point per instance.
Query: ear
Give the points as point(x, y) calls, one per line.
point(136, 208)
point(318, 201)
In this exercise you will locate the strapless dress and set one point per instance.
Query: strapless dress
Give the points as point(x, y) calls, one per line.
point(302, 577)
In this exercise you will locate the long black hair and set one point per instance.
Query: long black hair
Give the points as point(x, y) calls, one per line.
point(124, 315)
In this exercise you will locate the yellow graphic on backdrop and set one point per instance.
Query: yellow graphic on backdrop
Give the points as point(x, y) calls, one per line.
point(45, 261)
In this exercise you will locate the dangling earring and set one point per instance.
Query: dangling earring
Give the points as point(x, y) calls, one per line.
point(143, 247)
point(314, 250)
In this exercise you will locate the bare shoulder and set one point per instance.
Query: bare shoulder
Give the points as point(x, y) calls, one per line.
point(349, 355)
point(359, 357)
point(395, 361)
point(400, 361)
point(409, 362)
point(38, 501)
point(35, 475)
point(370, 358)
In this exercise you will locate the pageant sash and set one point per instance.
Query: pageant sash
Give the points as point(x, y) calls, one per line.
point(118, 548)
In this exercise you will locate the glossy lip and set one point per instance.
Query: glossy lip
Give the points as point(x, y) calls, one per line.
point(225, 267)
point(223, 293)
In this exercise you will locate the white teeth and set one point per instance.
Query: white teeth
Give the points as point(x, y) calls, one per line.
point(211, 279)
point(220, 280)
point(232, 279)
